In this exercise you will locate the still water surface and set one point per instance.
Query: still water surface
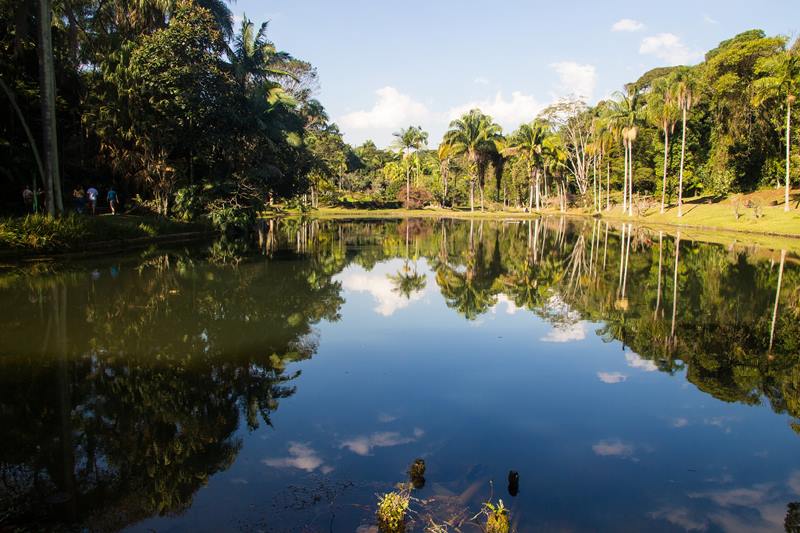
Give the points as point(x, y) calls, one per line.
point(635, 382)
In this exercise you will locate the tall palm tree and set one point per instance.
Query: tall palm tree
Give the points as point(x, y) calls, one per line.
point(527, 143)
point(408, 141)
point(554, 160)
point(445, 154)
point(254, 58)
point(47, 82)
point(662, 112)
point(685, 91)
point(780, 79)
point(473, 135)
point(626, 111)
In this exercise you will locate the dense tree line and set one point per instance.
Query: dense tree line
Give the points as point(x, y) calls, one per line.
point(167, 100)
point(721, 126)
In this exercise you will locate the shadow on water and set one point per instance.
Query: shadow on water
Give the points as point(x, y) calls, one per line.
point(123, 383)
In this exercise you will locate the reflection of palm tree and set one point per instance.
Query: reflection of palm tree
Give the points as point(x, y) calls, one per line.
point(407, 282)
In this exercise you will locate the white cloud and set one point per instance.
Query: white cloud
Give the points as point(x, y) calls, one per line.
point(480, 80)
point(392, 109)
point(680, 422)
point(611, 377)
point(612, 448)
point(627, 25)
point(568, 333)
point(381, 289)
point(301, 456)
point(634, 361)
point(363, 444)
point(670, 48)
point(709, 20)
point(510, 113)
point(575, 78)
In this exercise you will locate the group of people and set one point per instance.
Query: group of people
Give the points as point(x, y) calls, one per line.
point(80, 199)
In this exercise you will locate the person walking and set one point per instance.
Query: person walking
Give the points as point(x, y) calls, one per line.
point(27, 198)
point(92, 194)
point(79, 198)
point(113, 200)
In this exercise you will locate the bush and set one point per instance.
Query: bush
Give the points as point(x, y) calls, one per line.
point(391, 514)
point(418, 197)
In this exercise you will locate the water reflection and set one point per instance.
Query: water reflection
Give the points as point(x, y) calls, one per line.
point(124, 384)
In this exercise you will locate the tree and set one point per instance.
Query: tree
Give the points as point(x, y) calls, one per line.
point(626, 114)
point(685, 88)
point(662, 112)
point(473, 135)
point(254, 58)
point(409, 141)
point(527, 143)
point(445, 154)
point(780, 78)
point(47, 83)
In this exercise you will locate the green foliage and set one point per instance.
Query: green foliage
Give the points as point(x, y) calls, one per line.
point(496, 517)
point(391, 514)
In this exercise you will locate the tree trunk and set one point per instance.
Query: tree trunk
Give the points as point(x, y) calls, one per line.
point(658, 293)
point(408, 185)
point(472, 194)
point(664, 179)
point(530, 193)
point(680, 176)
point(788, 145)
point(777, 298)
point(608, 185)
point(536, 185)
point(625, 180)
point(675, 286)
point(47, 82)
point(444, 177)
point(630, 181)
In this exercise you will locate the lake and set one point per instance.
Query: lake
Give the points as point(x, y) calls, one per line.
point(634, 380)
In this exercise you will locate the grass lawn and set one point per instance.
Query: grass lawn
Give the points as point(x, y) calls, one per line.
point(764, 223)
point(37, 233)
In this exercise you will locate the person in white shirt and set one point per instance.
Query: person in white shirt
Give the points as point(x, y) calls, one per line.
point(92, 194)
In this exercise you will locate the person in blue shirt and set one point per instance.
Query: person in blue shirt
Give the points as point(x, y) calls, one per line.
point(113, 200)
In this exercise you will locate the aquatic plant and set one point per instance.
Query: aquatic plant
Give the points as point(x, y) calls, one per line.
point(392, 508)
point(496, 517)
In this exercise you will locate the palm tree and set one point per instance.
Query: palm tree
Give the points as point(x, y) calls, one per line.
point(47, 81)
point(780, 78)
point(445, 154)
point(626, 111)
point(473, 135)
point(528, 144)
point(662, 111)
point(554, 159)
point(685, 88)
point(407, 141)
point(254, 58)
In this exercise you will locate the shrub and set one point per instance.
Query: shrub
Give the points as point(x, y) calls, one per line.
point(496, 517)
point(418, 197)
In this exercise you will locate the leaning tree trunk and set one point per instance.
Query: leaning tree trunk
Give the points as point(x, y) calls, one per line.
point(664, 179)
point(680, 176)
point(625, 180)
point(47, 82)
point(788, 144)
point(630, 179)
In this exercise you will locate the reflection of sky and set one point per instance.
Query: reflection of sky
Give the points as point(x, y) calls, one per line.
point(599, 436)
point(377, 283)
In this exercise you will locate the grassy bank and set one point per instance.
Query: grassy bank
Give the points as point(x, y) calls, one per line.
point(756, 219)
point(73, 233)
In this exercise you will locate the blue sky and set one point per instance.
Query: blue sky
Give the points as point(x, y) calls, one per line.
point(386, 65)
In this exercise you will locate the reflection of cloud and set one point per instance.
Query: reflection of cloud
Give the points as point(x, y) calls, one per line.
point(363, 444)
point(611, 377)
point(634, 361)
point(613, 448)
point(757, 508)
point(566, 333)
point(794, 482)
point(680, 422)
point(301, 456)
point(381, 288)
point(511, 307)
point(681, 518)
point(722, 422)
point(385, 418)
